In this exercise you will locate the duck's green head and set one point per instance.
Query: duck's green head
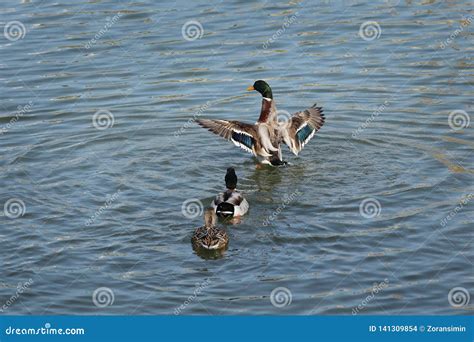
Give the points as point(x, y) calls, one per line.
point(263, 88)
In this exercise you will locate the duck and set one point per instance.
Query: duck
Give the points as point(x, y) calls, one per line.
point(264, 138)
point(209, 236)
point(230, 203)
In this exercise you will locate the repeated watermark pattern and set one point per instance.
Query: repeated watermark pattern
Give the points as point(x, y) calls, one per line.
point(370, 30)
point(286, 201)
point(192, 120)
point(111, 199)
point(286, 24)
point(108, 24)
point(197, 291)
point(379, 110)
point(464, 23)
point(459, 119)
point(370, 208)
point(281, 297)
point(376, 288)
point(103, 296)
point(21, 110)
point(21, 288)
point(465, 201)
point(192, 30)
point(459, 297)
point(283, 118)
point(192, 208)
point(14, 30)
point(14, 208)
point(103, 119)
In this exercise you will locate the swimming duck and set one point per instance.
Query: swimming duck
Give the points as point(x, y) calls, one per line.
point(230, 203)
point(264, 138)
point(209, 236)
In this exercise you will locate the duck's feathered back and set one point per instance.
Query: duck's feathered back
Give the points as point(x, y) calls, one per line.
point(230, 203)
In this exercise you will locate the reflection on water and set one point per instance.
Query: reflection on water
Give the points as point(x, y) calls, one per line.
point(207, 254)
point(99, 143)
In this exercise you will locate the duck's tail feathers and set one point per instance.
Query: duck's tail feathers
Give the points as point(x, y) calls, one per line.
point(225, 209)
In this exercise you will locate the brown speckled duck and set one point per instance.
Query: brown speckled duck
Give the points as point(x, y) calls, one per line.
point(209, 236)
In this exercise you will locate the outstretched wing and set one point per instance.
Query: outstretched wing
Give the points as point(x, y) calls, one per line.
point(241, 134)
point(301, 128)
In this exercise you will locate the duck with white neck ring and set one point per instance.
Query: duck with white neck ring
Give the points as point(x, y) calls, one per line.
point(263, 139)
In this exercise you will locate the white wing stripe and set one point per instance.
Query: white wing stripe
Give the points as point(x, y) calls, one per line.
point(239, 144)
point(309, 136)
point(242, 146)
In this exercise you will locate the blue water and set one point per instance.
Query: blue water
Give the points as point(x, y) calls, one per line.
point(96, 204)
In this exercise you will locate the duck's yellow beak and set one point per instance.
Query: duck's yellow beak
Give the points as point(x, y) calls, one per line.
point(250, 88)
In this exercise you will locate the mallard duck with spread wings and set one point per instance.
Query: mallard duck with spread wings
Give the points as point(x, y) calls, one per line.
point(264, 138)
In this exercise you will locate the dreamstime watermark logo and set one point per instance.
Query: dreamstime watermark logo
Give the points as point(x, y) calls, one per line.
point(14, 208)
point(376, 288)
point(286, 23)
point(286, 201)
point(379, 110)
point(108, 24)
point(192, 120)
point(281, 297)
point(192, 208)
point(14, 30)
point(103, 119)
point(459, 297)
point(20, 111)
point(370, 208)
point(192, 30)
point(370, 30)
point(103, 296)
point(464, 23)
point(22, 287)
point(458, 119)
point(457, 209)
point(283, 118)
point(43, 331)
point(197, 291)
point(104, 207)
